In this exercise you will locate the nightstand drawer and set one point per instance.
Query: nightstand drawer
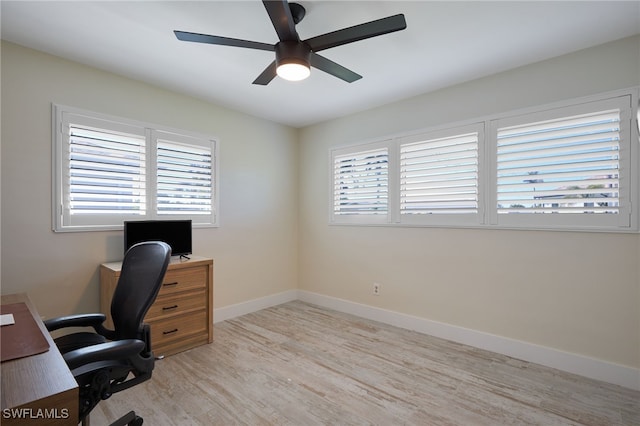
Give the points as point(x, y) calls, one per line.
point(183, 279)
point(177, 328)
point(165, 307)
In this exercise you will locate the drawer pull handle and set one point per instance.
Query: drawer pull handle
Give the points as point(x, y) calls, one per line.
point(170, 284)
point(168, 308)
point(170, 331)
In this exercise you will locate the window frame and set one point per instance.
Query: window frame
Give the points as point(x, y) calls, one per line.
point(626, 221)
point(447, 219)
point(63, 222)
point(580, 220)
point(364, 218)
point(190, 141)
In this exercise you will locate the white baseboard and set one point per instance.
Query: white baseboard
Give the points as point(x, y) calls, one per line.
point(627, 377)
point(232, 311)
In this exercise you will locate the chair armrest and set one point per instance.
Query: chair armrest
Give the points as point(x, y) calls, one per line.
point(79, 320)
point(109, 351)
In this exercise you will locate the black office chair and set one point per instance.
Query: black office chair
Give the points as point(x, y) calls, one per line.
point(103, 361)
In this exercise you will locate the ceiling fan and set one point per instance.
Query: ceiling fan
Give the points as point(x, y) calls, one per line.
point(295, 57)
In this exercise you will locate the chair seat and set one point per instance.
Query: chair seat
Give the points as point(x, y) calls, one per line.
point(75, 341)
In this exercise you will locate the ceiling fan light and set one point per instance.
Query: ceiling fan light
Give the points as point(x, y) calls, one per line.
point(292, 60)
point(293, 71)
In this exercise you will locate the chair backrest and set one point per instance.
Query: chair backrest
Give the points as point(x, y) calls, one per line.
point(141, 276)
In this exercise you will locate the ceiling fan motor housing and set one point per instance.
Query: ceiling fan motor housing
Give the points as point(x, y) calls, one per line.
point(288, 52)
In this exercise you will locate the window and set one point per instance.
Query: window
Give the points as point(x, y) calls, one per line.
point(565, 167)
point(439, 174)
point(108, 170)
point(361, 182)
point(184, 176)
point(569, 167)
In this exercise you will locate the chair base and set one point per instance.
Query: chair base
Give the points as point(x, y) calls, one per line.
point(129, 419)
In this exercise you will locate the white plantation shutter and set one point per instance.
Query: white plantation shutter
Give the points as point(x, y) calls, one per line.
point(184, 179)
point(361, 184)
point(569, 165)
point(106, 172)
point(574, 165)
point(439, 176)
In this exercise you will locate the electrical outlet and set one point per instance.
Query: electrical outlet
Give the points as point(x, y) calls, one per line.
point(376, 289)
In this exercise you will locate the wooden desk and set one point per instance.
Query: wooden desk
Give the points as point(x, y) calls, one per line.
point(40, 388)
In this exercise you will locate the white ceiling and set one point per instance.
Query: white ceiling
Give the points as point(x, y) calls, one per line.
point(445, 43)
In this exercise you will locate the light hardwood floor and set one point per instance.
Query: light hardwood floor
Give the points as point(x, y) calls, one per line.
point(298, 364)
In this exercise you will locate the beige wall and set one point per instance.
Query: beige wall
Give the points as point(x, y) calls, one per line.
point(546, 288)
point(255, 247)
point(571, 291)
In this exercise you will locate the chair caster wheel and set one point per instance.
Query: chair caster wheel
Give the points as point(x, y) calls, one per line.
point(136, 422)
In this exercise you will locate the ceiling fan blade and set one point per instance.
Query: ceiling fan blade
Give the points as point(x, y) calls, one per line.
point(267, 75)
point(332, 68)
point(282, 19)
point(223, 41)
point(358, 32)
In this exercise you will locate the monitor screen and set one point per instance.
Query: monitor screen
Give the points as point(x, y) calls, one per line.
point(176, 233)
